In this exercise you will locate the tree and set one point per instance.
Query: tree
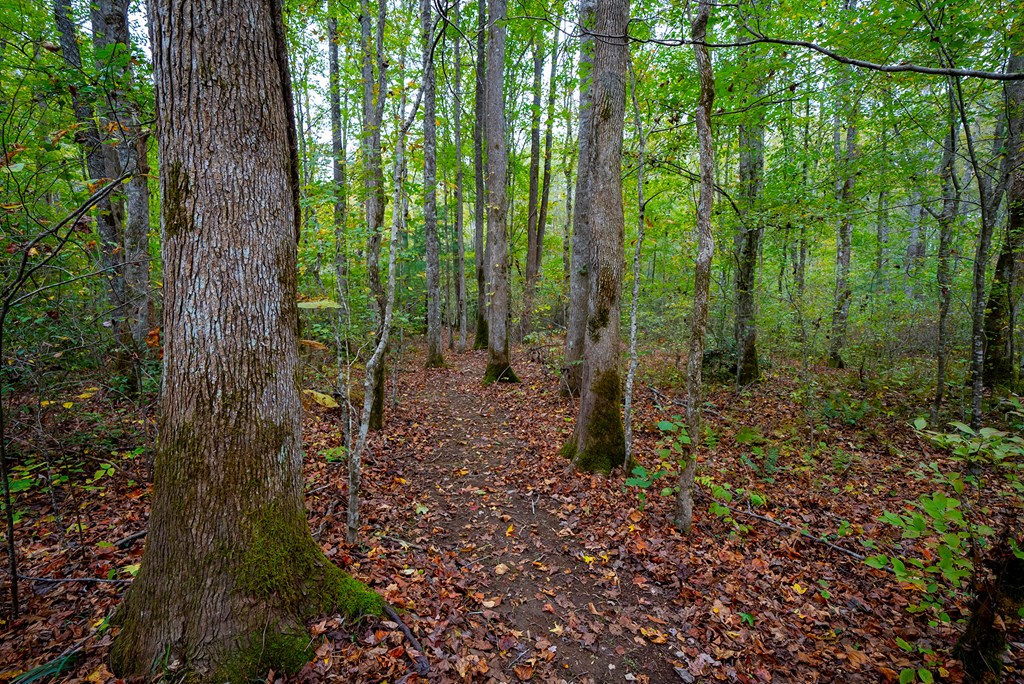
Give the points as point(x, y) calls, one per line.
point(435, 357)
point(598, 442)
point(460, 276)
point(482, 253)
point(702, 268)
point(499, 367)
point(230, 571)
point(532, 207)
point(579, 275)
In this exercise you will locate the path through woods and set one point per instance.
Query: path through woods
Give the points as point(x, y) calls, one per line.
point(509, 566)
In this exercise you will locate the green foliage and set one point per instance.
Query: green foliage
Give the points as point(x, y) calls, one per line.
point(842, 407)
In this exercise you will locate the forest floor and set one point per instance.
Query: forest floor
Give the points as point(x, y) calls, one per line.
point(510, 566)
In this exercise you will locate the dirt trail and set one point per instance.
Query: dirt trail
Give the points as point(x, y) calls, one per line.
point(550, 607)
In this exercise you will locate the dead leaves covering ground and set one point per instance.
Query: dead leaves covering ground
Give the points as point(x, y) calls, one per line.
point(509, 566)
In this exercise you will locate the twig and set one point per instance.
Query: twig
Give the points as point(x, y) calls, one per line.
point(129, 539)
point(403, 542)
point(57, 580)
point(420, 662)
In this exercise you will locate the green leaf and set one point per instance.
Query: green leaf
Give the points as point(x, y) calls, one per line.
point(667, 426)
point(905, 645)
point(879, 561)
point(907, 675)
point(920, 423)
point(668, 491)
point(925, 675)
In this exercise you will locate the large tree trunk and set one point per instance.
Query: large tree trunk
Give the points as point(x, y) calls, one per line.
point(579, 279)
point(435, 357)
point(532, 230)
point(542, 218)
point(702, 267)
point(751, 172)
point(230, 570)
point(373, 172)
point(499, 367)
point(999, 319)
point(482, 256)
point(598, 443)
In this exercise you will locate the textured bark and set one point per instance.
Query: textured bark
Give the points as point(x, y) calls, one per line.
point(532, 209)
point(499, 361)
point(579, 278)
point(751, 173)
point(1005, 289)
point(916, 247)
point(598, 439)
point(641, 218)
point(374, 74)
point(230, 571)
point(435, 356)
point(482, 256)
point(702, 267)
point(460, 276)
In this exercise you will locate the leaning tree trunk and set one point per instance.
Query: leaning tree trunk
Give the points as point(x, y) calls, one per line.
point(579, 278)
point(999, 366)
point(435, 357)
point(598, 443)
point(499, 367)
point(532, 208)
point(702, 267)
point(230, 571)
point(482, 255)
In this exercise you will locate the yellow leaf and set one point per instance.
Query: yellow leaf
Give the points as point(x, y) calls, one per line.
point(510, 531)
point(798, 589)
point(45, 403)
point(84, 395)
point(325, 400)
point(68, 404)
point(557, 630)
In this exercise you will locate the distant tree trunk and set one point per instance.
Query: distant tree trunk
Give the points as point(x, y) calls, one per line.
point(545, 192)
point(111, 35)
point(230, 572)
point(999, 366)
point(530, 282)
point(460, 276)
point(435, 356)
point(482, 256)
point(916, 247)
point(568, 165)
point(598, 443)
point(339, 145)
point(844, 244)
point(499, 367)
point(102, 165)
point(751, 173)
point(579, 279)
point(944, 277)
point(374, 87)
point(702, 267)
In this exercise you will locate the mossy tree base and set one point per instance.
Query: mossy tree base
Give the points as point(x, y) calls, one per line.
point(499, 372)
point(280, 582)
point(480, 336)
point(600, 441)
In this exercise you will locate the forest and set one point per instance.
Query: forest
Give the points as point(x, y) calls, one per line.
point(466, 341)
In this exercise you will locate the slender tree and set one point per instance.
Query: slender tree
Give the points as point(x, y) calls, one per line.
point(482, 253)
point(702, 267)
point(532, 208)
point(460, 276)
point(230, 572)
